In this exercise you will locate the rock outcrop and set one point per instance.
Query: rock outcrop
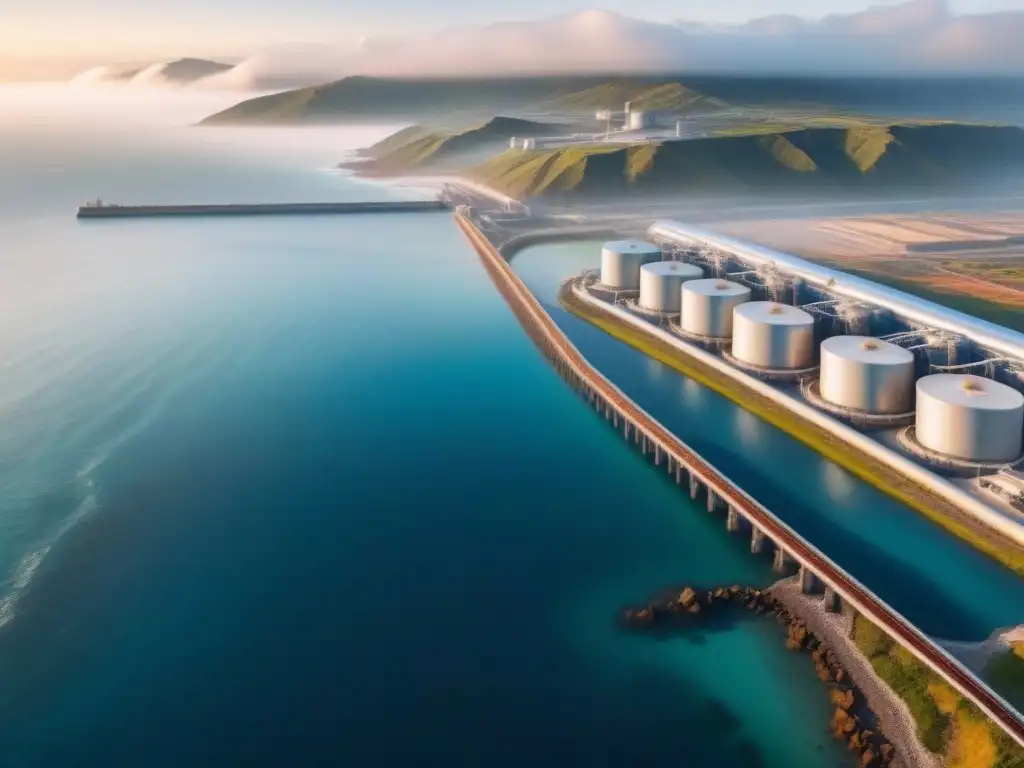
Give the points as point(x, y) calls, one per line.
point(852, 720)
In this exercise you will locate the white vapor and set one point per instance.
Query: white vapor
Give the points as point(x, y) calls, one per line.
point(914, 37)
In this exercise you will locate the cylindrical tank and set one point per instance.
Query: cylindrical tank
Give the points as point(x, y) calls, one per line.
point(707, 306)
point(867, 374)
point(529, 143)
point(638, 119)
point(771, 335)
point(621, 261)
point(969, 417)
point(661, 284)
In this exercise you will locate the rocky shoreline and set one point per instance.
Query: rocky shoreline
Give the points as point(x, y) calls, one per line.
point(853, 720)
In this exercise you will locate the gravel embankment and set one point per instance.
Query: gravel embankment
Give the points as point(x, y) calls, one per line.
point(894, 717)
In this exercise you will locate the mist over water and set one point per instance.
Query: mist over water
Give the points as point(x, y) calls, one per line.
point(301, 491)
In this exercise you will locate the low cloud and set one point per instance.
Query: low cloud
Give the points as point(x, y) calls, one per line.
point(911, 38)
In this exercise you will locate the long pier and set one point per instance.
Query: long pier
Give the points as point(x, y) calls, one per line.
point(258, 209)
point(817, 571)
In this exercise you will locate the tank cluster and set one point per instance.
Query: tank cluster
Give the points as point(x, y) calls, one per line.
point(965, 417)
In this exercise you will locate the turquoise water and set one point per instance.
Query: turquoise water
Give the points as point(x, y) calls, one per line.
point(945, 587)
point(301, 492)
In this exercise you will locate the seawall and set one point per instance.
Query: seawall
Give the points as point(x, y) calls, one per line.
point(257, 209)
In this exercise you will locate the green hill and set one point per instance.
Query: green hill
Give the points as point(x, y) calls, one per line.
point(365, 98)
point(417, 146)
point(841, 160)
point(670, 95)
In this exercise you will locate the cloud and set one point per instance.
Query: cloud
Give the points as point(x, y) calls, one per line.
point(915, 37)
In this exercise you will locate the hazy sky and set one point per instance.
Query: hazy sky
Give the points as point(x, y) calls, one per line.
point(105, 30)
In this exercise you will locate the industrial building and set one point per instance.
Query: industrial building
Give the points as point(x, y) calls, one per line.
point(621, 261)
point(948, 385)
point(867, 374)
point(707, 307)
point(661, 284)
point(969, 418)
point(772, 336)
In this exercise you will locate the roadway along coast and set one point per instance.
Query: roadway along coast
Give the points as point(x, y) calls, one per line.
point(604, 394)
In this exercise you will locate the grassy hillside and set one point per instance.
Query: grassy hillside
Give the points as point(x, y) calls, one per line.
point(355, 98)
point(671, 95)
point(861, 157)
point(417, 146)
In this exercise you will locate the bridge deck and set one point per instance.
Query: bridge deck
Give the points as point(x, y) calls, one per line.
point(556, 344)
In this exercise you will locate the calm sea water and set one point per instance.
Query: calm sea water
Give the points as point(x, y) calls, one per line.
point(301, 492)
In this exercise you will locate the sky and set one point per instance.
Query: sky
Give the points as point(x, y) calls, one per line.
point(127, 30)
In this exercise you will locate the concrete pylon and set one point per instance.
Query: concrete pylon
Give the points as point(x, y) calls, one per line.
point(757, 540)
point(832, 602)
point(782, 560)
point(808, 581)
point(694, 486)
point(733, 520)
point(712, 500)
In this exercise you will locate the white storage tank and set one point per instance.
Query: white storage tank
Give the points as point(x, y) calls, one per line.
point(867, 374)
point(661, 284)
point(969, 417)
point(621, 261)
point(770, 335)
point(707, 306)
point(639, 119)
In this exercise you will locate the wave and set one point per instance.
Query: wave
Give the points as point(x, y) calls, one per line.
point(86, 483)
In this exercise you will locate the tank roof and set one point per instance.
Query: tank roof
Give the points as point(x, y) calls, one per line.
point(626, 246)
point(715, 287)
point(680, 268)
point(773, 313)
point(865, 349)
point(970, 391)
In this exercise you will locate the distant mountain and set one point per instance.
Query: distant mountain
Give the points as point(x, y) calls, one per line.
point(418, 147)
point(179, 72)
point(361, 98)
point(813, 160)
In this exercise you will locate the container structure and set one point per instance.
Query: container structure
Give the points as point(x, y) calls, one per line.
point(621, 261)
point(866, 374)
point(661, 284)
point(638, 120)
point(772, 336)
point(969, 417)
point(707, 307)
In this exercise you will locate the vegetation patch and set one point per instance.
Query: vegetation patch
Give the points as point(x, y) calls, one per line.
point(948, 725)
point(794, 159)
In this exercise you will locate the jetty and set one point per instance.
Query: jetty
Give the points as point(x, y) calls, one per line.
point(100, 210)
point(818, 575)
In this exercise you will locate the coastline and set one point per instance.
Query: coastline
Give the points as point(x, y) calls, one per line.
point(893, 714)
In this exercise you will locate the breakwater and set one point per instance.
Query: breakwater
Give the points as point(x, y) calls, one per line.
point(258, 209)
point(744, 512)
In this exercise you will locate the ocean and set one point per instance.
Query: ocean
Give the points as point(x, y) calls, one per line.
point(300, 491)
